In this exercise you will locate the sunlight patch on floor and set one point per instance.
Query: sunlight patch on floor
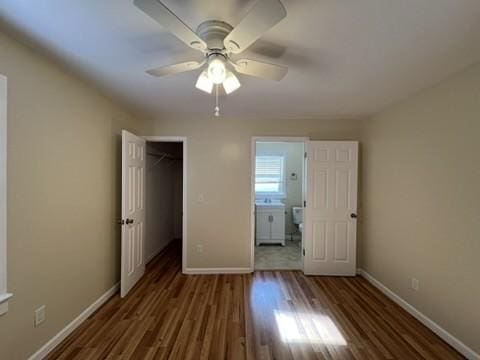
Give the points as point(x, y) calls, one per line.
point(308, 328)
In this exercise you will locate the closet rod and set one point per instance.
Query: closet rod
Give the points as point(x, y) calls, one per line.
point(164, 156)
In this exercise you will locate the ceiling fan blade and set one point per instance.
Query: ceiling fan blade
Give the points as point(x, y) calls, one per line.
point(260, 69)
point(175, 68)
point(264, 15)
point(160, 13)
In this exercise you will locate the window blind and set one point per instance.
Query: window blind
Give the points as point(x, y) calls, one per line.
point(269, 174)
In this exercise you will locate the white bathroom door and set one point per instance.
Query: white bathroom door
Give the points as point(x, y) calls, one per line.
point(331, 219)
point(133, 211)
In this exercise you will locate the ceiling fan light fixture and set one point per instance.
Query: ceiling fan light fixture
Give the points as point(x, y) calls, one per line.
point(217, 40)
point(231, 83)
point(204, 82)
point(217, 72)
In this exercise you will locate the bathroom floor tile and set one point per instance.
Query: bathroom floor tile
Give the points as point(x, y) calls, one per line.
point(288, 257)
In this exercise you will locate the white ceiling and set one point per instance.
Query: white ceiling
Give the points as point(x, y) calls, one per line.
point(346, 58)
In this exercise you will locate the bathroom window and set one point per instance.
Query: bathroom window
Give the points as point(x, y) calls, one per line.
point(270, 176)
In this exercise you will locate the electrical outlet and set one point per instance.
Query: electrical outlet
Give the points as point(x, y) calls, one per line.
point(39, 316)
point(415, 284)
point(199, 248)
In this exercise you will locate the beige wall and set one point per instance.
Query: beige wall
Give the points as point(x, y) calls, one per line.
point(420, 192)
point(293, 152)
point(421, 207)
point(63, 197)
point(219, 165)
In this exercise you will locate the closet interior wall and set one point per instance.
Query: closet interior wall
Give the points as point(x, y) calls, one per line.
point(164, 179)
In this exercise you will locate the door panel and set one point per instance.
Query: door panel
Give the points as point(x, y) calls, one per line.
point(320, 191)
point(278, 225)
point(133, 210)
point(341, 241)
point(330, 232)
point(319, 240)
point(262, 228)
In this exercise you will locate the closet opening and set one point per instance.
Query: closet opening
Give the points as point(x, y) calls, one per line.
point(164, 199)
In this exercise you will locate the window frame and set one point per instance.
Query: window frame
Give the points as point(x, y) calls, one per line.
point(4, 295)
point(273, 195)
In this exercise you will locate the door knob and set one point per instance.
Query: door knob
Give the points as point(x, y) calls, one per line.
point(129, 221)
point(353, 215)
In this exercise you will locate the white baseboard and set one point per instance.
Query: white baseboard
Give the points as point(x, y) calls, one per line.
point(155, 253)
point(442, 333)
point(151, 256)
point(199, 271)
point(67, 330)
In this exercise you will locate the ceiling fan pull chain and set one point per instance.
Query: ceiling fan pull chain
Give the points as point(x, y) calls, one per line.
point(217, 108)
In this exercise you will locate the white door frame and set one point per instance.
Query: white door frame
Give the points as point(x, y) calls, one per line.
point(183, 140)
point(255, 139)
point(4, 295)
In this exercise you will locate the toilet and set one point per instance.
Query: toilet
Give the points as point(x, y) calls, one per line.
point(297, 213)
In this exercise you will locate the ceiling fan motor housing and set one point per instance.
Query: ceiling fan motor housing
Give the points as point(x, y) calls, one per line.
point(213, 32)
point(217, 40)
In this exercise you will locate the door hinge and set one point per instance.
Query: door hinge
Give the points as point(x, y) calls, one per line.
point(304, 203)
point(305, 155)
point(303, 252)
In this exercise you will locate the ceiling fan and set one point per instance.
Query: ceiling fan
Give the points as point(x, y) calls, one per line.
point(218, 41)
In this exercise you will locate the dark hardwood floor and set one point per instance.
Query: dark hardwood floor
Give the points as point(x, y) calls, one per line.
point(265, 315)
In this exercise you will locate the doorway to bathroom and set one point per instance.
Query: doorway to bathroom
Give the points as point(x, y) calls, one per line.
point(278, 195)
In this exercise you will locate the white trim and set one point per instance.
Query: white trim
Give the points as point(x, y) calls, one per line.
point(301, 139)
point(165, 138)
point(151, 256)
point(183, 140)
point(4, 303)
point(199, 271)
point(429, 323)
point(67, 330)
point(281, 138)
point(4, 296)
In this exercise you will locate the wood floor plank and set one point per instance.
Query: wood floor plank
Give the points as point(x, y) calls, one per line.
point(277, 315)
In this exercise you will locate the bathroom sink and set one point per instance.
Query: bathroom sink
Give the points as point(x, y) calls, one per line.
point(273, 203)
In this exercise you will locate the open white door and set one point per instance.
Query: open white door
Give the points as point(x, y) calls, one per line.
point(133, 210)
point(330, 221)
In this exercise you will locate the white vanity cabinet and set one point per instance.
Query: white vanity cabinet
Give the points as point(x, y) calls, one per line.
point(270, 224)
